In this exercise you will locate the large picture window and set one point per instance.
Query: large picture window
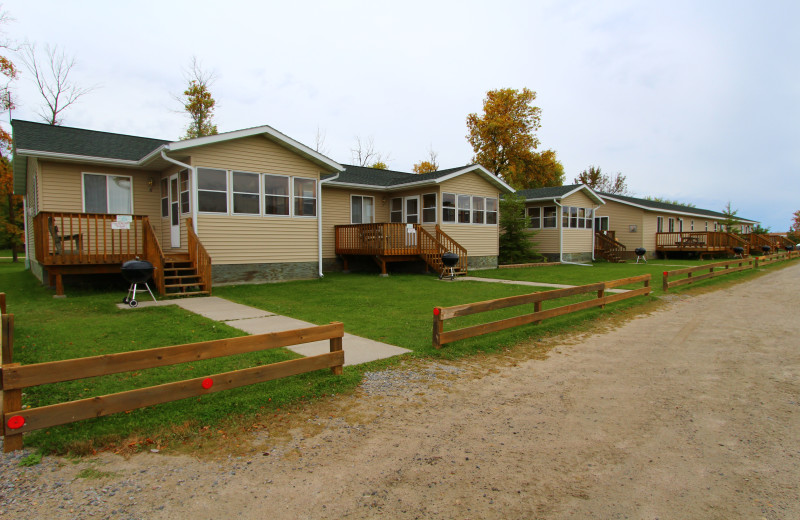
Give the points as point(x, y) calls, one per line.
point(305, 197)
point(429, 208)
point(246, 199)
point(362, 209)
point(535, 217)
point(107, 194)
point(448, 207)
point(276, 195)
point(576, 218)
point(549, 220)
point(212, 190)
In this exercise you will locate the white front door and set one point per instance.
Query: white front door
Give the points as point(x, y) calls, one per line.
point(174, 212)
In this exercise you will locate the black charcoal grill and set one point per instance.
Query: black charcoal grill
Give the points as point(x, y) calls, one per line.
point(738, 252)
point(449, 260)
point(136, 272)
point(640, 252)
point(790, 247)
point(766, 249)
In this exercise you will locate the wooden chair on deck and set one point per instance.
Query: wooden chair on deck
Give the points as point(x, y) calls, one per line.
point(75, 241)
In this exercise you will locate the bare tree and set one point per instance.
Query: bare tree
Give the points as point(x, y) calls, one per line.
point(51, 73)
point(319, 142)
point(364, 154)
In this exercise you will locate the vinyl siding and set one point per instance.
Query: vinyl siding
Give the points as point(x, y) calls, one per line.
point(620, 218)
point(336, 212)
point(578, 240)
point(546, 240)
point(258, 240)
point(578, 199)
point(253, 154)
point(32, 204)
point(477, 239)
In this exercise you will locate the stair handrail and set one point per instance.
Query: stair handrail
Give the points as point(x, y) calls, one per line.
point(608, 243)
point(446, 241)
point(154, 254)
point(199, 257)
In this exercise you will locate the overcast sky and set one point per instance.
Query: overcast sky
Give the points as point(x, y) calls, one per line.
point(697, 101)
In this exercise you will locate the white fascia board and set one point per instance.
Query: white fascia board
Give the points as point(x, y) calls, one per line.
point(592, 194)
point(483, 172)
point(273, 134)
point(78, 158)
point(674, 212)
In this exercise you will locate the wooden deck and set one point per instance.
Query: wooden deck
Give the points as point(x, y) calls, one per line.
point(396, 242)
point(700, 242)
point(89, 243)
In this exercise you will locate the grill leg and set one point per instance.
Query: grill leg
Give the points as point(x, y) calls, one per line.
point(151, 292)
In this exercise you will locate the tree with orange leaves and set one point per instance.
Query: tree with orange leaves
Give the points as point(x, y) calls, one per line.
point(11, 234)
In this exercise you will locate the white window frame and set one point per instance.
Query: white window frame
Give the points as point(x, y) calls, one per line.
point(227, 192)
point(538, 210)
point(601, 218)
point(163, 187)
point(477, 212)
point(188, 192)
point(362, 197)
point(555, 216)
point(454, 209)
point(495, 211)
point(435, 208)
point(258, 193)
point(659, 224)
point(691, 225)
point(288, 196)
point(295, 197)
point(106, 175)
point(671, 225)
point(459, 209)
point(395, 212)
point(706, 225)
point(405, 209)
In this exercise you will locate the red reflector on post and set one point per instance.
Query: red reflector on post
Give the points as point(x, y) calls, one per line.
point(665, 273)
point(207, 383)
point(436, 311)
point(16, 422)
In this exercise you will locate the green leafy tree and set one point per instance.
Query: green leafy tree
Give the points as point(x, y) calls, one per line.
point(504, 139)
point(11, 230)
point(515, 237)
point(429, 165)
point(598, 181)
point(199, 103)
point(379, 165)
point(730, 223)
point(794, 228)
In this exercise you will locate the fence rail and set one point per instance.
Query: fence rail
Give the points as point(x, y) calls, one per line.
point(15, 377)
point(440, 314)
point(713, 269)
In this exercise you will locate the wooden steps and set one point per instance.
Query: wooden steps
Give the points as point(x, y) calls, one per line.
point(181, 278)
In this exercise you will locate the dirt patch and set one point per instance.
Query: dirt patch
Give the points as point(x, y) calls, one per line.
point(689, 411)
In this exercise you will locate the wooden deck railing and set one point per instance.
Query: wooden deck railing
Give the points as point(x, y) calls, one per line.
point(87, 238)
point(782, 241)
point(377, 239)
point(16, 378)
point(155, 255)
point(199, 257)
point(448, 244)
point(606, 243)
point(697, 241)
point(440, 314)
point(757, 242)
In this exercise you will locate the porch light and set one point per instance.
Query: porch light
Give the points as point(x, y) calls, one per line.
point(150, 182)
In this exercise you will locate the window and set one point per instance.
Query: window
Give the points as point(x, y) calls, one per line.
point(184, 180)
point(576, 218)
point(107, 194)
point(362, 209)
point(589, 218)
point(581, 218)
point(659, 224)
point(463, 209)
point(448, 207)
point(671, 225)
point(412, 210)
point(715, 226)
point(535, 217)
point(429, 208)
point(165, 198)
point(246, 199)
point(549, 220)
point(305, 197)
point(212, 190)
point(564, 216)
point(601, 223)
point(396, 210)
point(706, 225)
point(276, 195)
point(691, 225)
point(491, 211)
point(478, 209)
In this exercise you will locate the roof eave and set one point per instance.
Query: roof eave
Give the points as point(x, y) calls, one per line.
point(673, 212)
point(79, 158)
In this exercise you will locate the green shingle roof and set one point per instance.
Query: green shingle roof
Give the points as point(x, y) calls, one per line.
point(666, 206)
point(554, 192)
point(362, 175)
point(41, 137)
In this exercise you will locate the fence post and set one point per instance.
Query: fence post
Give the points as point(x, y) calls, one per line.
point(336, 346)
point(2, 303)
point(755, 264)
point(438, 327)
point(7, 339)
point(600, 294)
point(537, 307)
point(665, 282)
point(12, 402)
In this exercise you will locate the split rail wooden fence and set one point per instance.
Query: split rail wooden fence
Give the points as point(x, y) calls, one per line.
point(16, 378)
point(721, 268)
point(440, 314)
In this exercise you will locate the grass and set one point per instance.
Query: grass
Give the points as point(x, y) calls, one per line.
point(395, 310)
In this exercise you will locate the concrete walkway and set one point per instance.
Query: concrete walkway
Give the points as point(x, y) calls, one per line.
point(532, 284)
point(357, 350)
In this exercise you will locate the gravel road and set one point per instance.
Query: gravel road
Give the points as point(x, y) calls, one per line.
point(690, 411)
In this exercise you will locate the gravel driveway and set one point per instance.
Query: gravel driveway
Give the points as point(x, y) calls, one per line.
point(691, 411)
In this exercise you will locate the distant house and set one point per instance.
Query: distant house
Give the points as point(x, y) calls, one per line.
point(248, 205)
point(562, 218)
point(657, 226)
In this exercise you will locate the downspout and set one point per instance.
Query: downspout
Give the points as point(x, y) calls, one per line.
point(25, 228)
point(560, 222)
point(594, 232)
point(319, 221)
point(192, 180)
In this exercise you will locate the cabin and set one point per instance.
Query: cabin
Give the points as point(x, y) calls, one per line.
point(562, 218)
point(626, 223)
point(251, 205)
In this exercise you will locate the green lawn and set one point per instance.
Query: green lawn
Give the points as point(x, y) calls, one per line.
point(395, 310)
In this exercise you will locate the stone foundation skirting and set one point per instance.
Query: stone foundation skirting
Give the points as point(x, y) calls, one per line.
point(581, 258)
point(481, 262)
point(227, 274)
